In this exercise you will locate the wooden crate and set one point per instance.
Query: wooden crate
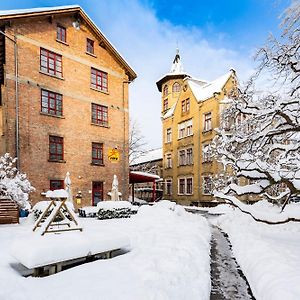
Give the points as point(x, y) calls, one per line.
point(9, 211)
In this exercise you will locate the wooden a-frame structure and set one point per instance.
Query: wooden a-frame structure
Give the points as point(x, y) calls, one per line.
point(57, 209)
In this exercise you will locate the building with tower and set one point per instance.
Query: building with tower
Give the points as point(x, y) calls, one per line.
point(190, 112)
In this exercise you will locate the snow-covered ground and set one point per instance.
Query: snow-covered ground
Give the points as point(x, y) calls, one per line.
point(168, 259)
point(268, 254)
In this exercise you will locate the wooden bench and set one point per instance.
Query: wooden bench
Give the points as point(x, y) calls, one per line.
point(9, 211)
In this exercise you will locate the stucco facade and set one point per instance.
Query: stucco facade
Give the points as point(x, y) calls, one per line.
point(190, 112)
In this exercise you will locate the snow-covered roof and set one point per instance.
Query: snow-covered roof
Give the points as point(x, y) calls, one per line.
point(28, 12)
point(205, 91)
point(150, 175)
point(170, 111)
point(152, 155)
point(34, 10)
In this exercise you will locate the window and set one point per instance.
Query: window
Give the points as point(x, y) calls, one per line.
point(187, 105)
point(181, 130)
point(183, 106)
point(185, 129)
point(181, 186)
point(176, 87)
point(56, 148)
point(189, 128)
point(207, 185)
point(206, 157)
point(56, 184)
point(165, 90)
point(181, 158)
point(168, 160)
point(169, 135)
point(165, 104)
point(51, 103)
point(99, 80)
point(97, 153)
point(99, 114)
point(90, 46)
point(189, 186)
point(189, 156)
point(51, 63)
point(61, 33)
point(207, 122)
point(169, 187)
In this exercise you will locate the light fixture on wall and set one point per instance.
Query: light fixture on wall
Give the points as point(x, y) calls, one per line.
point(76, 24)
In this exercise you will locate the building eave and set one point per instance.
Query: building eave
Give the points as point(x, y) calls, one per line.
point(6, 16)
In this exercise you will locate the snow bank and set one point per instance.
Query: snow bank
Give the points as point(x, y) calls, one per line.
point(113, 204)
point(168, 260)
point(267, 254)
point(34, 250)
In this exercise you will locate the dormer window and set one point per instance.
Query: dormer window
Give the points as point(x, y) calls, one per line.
point(61, 34)
point(166, 90)
point(89, 46)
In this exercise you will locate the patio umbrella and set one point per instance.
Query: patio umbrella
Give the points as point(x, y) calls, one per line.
point(68, 187)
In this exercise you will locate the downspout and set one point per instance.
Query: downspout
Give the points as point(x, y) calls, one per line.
point(14, 40)
point(124, 140)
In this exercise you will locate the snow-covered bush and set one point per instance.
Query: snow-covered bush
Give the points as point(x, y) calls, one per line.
point(14, 184)
point(41, 206)
point(114, 209)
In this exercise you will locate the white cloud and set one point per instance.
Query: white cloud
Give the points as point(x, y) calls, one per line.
point(149, 45)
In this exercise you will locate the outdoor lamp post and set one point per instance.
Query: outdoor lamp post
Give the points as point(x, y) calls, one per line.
point(14, 40)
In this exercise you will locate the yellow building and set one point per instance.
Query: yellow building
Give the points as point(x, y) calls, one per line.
point(190, 113)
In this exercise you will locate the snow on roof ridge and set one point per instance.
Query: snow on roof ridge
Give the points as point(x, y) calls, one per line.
point(36, 9)
point(150, 155)
point(203, 92)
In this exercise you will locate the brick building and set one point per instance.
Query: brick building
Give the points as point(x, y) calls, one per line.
point(65, 106)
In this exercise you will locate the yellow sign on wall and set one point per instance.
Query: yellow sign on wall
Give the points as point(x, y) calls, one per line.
point(113, 155)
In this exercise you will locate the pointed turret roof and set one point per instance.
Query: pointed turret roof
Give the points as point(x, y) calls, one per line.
point(176, 72)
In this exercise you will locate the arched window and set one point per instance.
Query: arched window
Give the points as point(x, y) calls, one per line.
point(176, 87)
point(166, 91)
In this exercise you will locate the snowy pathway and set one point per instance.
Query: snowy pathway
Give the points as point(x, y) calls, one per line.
point(228, 282)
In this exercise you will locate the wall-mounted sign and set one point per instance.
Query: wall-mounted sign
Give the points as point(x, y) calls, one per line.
point(113, 155)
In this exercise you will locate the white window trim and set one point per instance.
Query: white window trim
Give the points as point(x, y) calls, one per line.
point(203, 193)
point(205, 114)
point(166, 161)
point(178, 186)
point(166, 185)
point(189, 177)
point(170, 141)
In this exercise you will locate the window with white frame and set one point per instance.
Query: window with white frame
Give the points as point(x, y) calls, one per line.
point(168, 187)
point(185, 129)
point(207, 125)
point(185, 185)
point(189, 156)
point(206, 157)
point(189, 186)
point(207, 185)
point(181, 130)
point(169, 135)
point(181, 186)
point(168, 160)
point(189, 127)
point(181, 157)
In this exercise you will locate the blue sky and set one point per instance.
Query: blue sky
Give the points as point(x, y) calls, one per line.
point(212, 36)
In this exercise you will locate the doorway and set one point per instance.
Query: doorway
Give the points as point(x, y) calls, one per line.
point(97, 192)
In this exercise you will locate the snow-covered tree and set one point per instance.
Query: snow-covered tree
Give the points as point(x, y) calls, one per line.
point(13, 184)
point(137, 141)
point(258, 142)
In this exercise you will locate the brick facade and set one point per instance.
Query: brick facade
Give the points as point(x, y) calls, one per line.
point(75, 124)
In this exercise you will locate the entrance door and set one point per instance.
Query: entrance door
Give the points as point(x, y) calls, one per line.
point(97, 192)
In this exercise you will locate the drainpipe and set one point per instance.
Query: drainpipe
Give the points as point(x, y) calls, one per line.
point(14, 40)
point(124, 140)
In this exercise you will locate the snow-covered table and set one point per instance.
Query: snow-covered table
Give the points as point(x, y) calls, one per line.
point(52, 252)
